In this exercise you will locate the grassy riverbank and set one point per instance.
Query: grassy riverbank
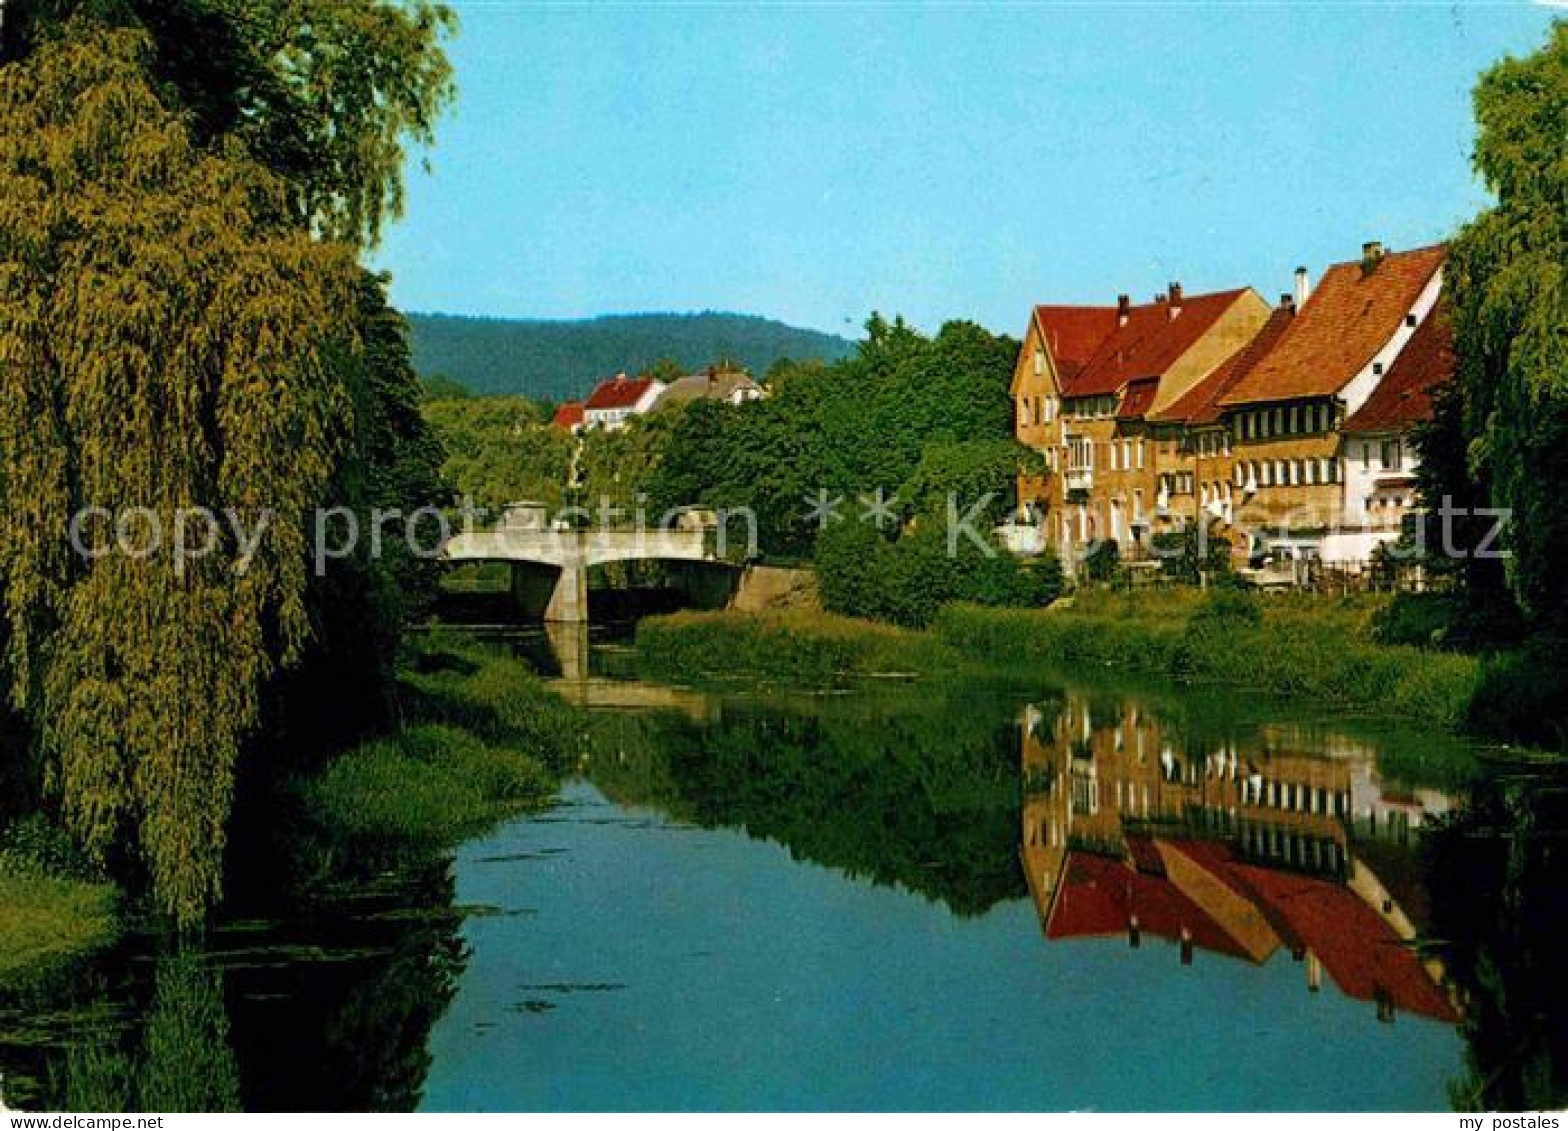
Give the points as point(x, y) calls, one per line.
point(800, 648)
point(481, 739)
point(1308, 648)
point(50, 910)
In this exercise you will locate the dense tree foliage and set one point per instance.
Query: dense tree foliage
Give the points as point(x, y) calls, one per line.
point(1500, 437)
point(911, 415)
point(500, 450)
point(162, 325)
point(321, 92)
point(175, 334)
point(907, 578)
point(562, 360)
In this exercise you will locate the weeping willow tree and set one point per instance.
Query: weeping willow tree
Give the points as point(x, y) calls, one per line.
point(1500, 434)
point(164, 327)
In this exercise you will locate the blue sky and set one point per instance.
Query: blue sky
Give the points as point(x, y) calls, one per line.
point(815, 162)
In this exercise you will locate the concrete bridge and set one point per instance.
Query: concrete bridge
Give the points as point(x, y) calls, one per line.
point(550, 567)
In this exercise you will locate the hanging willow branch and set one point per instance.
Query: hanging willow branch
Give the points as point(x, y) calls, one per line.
point(162, 328)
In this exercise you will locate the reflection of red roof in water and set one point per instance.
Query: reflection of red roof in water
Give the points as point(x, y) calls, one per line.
point(1099, 895)
point(1360, 952)
point(1357, 948)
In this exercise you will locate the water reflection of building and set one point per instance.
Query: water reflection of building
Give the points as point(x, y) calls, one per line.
point(1238, 852)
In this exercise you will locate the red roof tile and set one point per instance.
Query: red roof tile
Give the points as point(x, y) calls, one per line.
point(1201, 404)
point(1137, 398)
point(619, 391)
point(1073, 333)
point(1404, 396)
point(1346, 321)
point(1149, 342)
point(569, 415)
point(1099, 896)
point(1358, 949)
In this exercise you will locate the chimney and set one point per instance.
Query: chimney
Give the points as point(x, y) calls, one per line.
point(1123, 309)
point(1371, 256)
point(1173, 296)
point(1303, 287)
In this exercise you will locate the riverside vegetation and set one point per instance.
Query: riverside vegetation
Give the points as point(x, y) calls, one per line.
point(1333, 652)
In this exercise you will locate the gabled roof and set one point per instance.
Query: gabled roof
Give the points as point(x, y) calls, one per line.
point(718, 386)
point(1200, 405)
point(619, 391)
point(1137, 398)
point(569, 415)
point(1099, 897)
point(1149, 342)
point(1360, 951)
point(1347, 320)
point(1404, 397)
point(1073, 333)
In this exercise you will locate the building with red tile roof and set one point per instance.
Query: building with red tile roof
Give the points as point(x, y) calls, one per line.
point(1290, 471)
point(1404, 398)
point(1378, 443)
point(616, 399)
point(1085, 381)
point(569, 416)
point(1359, 317)
point(1199, 407)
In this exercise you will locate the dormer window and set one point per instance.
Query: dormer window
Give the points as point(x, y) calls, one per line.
point(1377, 369)
point(1410, 320)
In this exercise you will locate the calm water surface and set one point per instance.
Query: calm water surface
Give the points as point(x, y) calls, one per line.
point(1054, 894)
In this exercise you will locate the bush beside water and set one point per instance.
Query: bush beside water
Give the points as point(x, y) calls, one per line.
point(483, 739)
point(1313, 648)
point(806, 649)
point(52, 906)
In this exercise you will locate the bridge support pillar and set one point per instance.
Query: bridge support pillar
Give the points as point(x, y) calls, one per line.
point(549, 593)
point(569, 603)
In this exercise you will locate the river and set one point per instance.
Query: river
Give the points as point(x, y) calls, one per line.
point(1050, 893)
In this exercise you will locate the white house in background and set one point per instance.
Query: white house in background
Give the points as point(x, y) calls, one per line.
point(1378, 443)
point(619, 398)
point(729, 386)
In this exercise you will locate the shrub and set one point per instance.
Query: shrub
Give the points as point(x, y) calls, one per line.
point(1102, 560)
point(1520, 695)
point(905, 581)
point(804, 649)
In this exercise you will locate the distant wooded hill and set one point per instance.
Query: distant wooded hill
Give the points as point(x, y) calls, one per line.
point(561, 360)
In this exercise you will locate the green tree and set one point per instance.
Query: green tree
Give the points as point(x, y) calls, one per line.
point(1501, 429)
point(164, 322)
point(324, 93)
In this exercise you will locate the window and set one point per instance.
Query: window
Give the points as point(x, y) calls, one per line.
point(1295, 419)
point(1113, 455)
point(1050, 409)
point(1377, 368)
point(1281, 473)
point(1039, 363)
point(1137, 505)
point(1366, 456)
point(1140, 455)
point(1390, 455)
point(1126, 455)
point(1410, 320)
point(1312, 472)
point(1278, 422)
point(1267, 478)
